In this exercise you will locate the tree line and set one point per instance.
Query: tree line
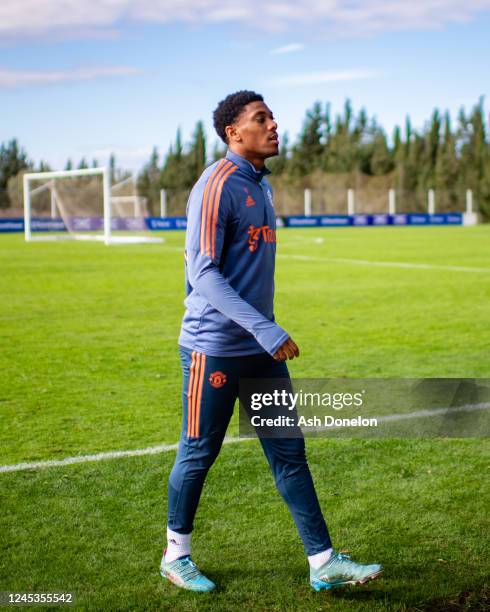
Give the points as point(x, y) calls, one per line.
point(445, 155)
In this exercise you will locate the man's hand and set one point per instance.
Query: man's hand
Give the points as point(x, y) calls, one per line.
point(288, 350)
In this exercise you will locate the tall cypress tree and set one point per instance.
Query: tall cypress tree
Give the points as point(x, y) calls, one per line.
point(307, 154)
point(148, 182)
point(381, 159)
point(196, 157)
point(447, 168)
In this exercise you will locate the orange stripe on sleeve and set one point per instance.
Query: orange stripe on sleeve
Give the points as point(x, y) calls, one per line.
point(215, 208)
point(199, 394)
point(209, 208)
point(205, 202)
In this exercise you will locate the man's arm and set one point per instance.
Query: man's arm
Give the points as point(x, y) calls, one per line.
point(208, 210)
point(206, 279)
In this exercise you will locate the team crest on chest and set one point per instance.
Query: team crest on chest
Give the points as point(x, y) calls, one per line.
point(217, 379)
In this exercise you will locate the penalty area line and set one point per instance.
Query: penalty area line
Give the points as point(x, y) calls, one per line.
point(165, 448)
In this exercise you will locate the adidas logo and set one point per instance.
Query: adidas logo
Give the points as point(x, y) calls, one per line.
point(249, 201)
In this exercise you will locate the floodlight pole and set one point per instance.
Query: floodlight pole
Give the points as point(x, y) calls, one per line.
point(307, 198)
point(469, 201)
point(163, 203)
point(27, 208)
point(350, 202)
point(391, 202)
point(432, 202)
point(469, 216)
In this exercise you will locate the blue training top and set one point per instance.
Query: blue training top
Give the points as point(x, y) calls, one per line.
point(230, 251)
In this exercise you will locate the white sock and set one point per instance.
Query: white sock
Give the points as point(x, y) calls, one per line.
point(320, 558)
point(178, 545)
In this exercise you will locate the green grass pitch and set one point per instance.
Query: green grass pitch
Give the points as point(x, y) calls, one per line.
point(89, 363)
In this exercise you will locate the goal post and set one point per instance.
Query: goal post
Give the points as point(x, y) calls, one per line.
point(83, 200)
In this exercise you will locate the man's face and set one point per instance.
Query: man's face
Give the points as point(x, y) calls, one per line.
point(255, 131)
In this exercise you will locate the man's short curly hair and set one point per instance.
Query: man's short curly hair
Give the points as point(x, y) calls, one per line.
point(230, 108)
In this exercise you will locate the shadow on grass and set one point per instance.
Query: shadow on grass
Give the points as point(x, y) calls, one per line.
point(380, 596)
point(472, 599)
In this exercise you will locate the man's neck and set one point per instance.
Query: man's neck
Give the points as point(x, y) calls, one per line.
point(257, 162)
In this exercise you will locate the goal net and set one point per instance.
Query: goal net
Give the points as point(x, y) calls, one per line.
point(128, 208)
point(80, 205)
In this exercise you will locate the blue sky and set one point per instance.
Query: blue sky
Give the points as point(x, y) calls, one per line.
point(81, 79)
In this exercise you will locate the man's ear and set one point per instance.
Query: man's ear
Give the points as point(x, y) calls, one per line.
point(232, 134)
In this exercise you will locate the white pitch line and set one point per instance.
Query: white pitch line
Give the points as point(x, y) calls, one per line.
point(389, 418)
point(385, 264)
point(366, 262)
point(138, 452)
point(164, 448)
point(434, 412)
point(151, 450)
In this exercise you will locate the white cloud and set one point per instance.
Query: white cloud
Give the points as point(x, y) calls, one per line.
point(317, 78)
point(292, 48)
point(22, 18)
point(18, 78)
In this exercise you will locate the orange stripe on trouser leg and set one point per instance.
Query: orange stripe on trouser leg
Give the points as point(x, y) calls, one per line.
point(194, 393)
point(190, 395)
point(209, 210)
point(206, 200)
point(215, 209)
point(199, 393)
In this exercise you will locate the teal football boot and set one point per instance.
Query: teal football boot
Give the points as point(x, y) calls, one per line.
point(340, 570)
point(184, 574)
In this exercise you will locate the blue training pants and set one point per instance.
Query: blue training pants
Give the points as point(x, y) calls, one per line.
point(210, 389)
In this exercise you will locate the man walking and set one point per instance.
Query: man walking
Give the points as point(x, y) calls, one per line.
point(229, 332)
